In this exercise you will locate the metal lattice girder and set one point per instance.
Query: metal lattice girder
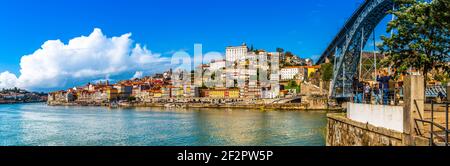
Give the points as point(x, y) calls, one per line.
point(347, 43)
point(369, 66)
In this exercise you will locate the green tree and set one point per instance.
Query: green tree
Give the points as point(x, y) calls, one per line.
point(131, 98)
point(293, 85)
point(280, 50)
point(441, 77)
point(326, 71)
point(421, 39)
point(289, 54)
point(213, 75)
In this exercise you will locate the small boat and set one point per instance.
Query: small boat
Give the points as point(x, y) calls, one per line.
point(169, 105)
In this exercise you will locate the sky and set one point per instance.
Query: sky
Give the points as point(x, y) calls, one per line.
point(143, 34)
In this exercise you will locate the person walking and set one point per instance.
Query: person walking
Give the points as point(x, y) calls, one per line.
point(384, 86)
point(360, 92)
point(377, 94)
point(355, 85)
point(367, 90)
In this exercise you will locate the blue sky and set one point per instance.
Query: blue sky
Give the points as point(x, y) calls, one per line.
point(162, 26)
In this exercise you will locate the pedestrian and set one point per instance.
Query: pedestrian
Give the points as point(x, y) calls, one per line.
point(377, 94)
point(367, 91)
point(360, 92)
point(355, 85)
point(384, 86)
point(441, 96)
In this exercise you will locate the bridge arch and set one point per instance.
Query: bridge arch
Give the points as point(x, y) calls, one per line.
point(345, 48)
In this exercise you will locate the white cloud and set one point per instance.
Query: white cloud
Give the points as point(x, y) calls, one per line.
point(86, 57)
point(138, 74)
point(7, 80)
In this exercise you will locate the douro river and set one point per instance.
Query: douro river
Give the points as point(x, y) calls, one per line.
point(42, 125)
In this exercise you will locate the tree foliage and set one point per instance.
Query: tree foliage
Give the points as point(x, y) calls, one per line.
point(293, 85)
point(326, 71)
point(421, 37)
point(280, 50)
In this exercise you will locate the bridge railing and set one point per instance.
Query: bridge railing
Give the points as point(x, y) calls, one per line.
point(393, 96)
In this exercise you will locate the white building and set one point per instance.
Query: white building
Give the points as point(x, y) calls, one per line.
point(252, 57)
point(268, 93)
point(217, 65)
point(309, 62)
point(236, 53)
point(289, 73)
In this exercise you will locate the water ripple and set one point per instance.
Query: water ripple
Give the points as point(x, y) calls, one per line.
point(41, 125)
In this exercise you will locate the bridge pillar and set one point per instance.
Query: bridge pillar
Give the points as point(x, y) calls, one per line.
point(414, 98)
point(448, 91)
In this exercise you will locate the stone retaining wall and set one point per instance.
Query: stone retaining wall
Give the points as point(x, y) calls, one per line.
point(342, 131)
point(293, 107)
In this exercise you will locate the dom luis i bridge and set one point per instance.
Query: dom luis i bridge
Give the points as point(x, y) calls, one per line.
point(347, 46)
point(416, 122)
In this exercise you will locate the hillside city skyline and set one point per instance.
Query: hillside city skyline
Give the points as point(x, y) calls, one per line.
point(149, 38)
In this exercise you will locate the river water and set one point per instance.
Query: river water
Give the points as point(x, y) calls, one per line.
point(42, 125)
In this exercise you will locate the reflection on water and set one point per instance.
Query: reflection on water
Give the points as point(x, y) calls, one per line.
point(38, 124)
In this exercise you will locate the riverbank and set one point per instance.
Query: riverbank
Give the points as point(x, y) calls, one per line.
point(268, 107)
point(20, 102)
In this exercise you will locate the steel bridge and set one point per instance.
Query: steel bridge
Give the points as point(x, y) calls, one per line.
point(346, 48)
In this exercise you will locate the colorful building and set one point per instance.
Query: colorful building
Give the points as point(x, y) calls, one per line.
point(221, 93)
point(292, 72)
point(112, 94)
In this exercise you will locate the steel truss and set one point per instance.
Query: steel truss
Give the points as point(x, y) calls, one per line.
point(346, 47)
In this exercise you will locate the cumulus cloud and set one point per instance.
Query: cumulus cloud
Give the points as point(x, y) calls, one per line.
point(7, 80)
point(86, 57)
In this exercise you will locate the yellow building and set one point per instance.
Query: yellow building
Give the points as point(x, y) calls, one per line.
point(179, 92)
point(157, 95)
point(216, 94)
point(233, 93)
point(112, 93)
point(221, 93)
point(312, 69)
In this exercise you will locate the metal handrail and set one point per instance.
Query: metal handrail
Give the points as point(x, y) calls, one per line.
point(433, 134)
point(429, 122)
point(434, 124)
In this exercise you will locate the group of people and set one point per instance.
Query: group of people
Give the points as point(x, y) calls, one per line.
point(380, 92)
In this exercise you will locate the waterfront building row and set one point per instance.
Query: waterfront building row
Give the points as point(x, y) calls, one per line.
point(162, 86)
point(18, 95)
